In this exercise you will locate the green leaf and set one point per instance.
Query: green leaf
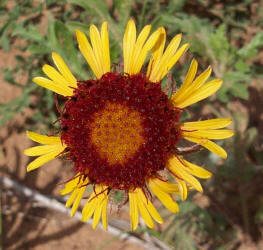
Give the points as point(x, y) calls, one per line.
point(220, 46)
point(30, 33)
point(251, 48)
point(175, 5)
point(5, 42)
point(222, 95)
point(187, 207)
point(73, 26)
point(240, 90)
point(241, 66)
point(235, 76)
point(63, 43)
point(124, 8)
point(99, 9)
point(9, 77)
point(38, 49)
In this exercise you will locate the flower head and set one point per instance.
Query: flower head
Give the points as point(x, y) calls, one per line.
point(120, 130)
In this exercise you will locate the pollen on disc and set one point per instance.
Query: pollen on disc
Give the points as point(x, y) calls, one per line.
point(117, 132)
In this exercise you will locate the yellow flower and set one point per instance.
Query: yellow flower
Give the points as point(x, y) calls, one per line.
point(120, 130)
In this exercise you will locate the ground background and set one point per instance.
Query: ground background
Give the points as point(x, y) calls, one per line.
point(225, 34)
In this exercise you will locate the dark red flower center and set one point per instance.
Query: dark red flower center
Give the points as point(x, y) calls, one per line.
point(119, 130)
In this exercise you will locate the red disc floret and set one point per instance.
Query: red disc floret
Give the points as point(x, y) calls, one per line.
point(158, 129)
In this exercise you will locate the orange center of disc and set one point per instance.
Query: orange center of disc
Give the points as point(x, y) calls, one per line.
point(116, 132)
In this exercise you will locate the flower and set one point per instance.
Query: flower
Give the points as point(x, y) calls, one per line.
point(120, 130)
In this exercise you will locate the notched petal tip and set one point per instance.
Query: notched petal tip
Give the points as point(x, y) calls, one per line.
point(186, 46)
point(45, 67)
point(200, 189)
point(31, 135)
point(77, 31)
point(131, 21)
point(194, 62)
point(105, 23)
point(29, 169)
point(63, 192)
point(79, 35)
point(230, 133)
point(104, 26)
point(83, 219)
point(25, 152)
point(130, 26)
point(39, 79)
point(93, 29)
point(161, 30)
point(208, 175)
point(54, 54)
point(28, 133)
point(72, 213)
point(218, 81)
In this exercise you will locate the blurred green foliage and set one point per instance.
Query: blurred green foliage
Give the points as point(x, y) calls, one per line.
point(221, 33)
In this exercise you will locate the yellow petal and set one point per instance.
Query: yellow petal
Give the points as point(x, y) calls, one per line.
point(172, 61)
point(164, 197)
point(138, 46)
point(80, 191)
point(200, 94)
point(96, 205)
point(87, 52)
point(195, 85)
point(89, 209)
point(77, 201)
point(176, 167)
point(70, 185)
point(210, 134)
point(207, 124)
point(157, 53)
point(105, 46)
point(97, 213)
point(43, 139)
point(54, 75)
point(129, 39)
point(168, 202)
point(41, 160)
point(213, 147)
point(160, 67)
point(166, 186)
point(72, 197)
point(64, 70)
point(182, 188)
point(104, 214)
point(151, 209)
point(97, 48)
point(146, 48)
point(190, 74)
point(171, 49)
point(201, 79)
point(143, 211)
point(41, 150)
point(48, 84)
point(134, 216)
point(188, 80)
point(196, 170)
